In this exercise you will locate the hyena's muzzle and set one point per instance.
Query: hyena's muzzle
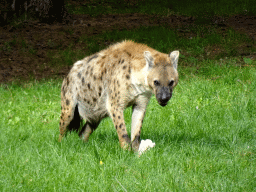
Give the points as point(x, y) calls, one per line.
point(164, 95)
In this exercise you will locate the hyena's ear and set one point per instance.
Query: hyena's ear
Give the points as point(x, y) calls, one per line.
point(174, 58)
point(149, 60)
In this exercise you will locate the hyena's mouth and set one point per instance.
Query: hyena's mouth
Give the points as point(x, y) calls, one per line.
point(164, 96)
point(163, 104)
point(163, 101)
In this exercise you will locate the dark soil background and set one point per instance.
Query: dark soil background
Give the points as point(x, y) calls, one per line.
point(27, 58)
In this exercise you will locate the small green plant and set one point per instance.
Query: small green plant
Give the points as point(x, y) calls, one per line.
point(248, 61)
point(6, 47)
point(32, 51)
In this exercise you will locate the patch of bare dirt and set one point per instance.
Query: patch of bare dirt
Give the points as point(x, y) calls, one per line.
point(24, 46)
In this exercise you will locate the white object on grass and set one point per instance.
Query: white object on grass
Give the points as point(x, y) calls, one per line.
point(145, 145)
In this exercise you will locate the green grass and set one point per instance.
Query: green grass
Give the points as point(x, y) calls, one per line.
point(205, 139)
point(214, 45)
point(165, 8)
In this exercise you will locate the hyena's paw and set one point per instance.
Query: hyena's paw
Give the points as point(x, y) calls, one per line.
point(145, 145)
point(60, 138)
point(125, 146)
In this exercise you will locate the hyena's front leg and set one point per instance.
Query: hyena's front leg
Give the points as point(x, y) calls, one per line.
point(138, 114)
point(137, 119)
point(118, 120)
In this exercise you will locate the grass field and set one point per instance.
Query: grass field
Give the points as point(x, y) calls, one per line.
point(192, 50)
point(205, 137)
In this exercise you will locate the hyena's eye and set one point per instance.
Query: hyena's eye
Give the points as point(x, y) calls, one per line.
point(156, 83)
point(171, 83)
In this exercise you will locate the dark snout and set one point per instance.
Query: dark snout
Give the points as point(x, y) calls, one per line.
point(164, 96)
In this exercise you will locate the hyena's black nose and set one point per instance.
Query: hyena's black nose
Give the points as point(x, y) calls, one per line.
point(165, 97)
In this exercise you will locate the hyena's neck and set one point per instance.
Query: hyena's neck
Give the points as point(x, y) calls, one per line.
point(139, 83)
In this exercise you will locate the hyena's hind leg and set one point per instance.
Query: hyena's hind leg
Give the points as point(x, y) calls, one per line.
point(87, 130)
point(69, 119)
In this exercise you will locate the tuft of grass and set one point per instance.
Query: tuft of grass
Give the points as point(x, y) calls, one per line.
point(205, 138)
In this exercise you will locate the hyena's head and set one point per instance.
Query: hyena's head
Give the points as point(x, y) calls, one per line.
point(162, 75)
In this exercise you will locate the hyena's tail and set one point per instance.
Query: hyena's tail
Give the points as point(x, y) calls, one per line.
point(75, 122)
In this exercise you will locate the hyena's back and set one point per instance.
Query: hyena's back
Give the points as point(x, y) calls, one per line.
point(103, 74)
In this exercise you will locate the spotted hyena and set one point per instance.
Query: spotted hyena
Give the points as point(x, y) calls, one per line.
point(104, 84)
